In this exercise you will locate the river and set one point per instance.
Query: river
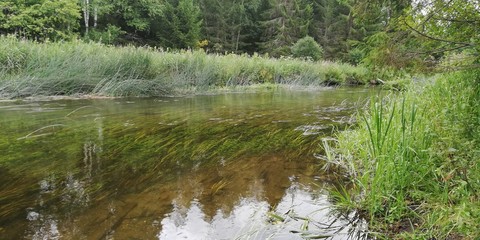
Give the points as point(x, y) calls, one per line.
point(224, 166)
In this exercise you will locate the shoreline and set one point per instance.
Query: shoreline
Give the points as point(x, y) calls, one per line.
point(69, 68)
point(254, 88)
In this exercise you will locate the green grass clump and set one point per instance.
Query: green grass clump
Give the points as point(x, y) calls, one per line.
point(414, 160)
point(69, 68)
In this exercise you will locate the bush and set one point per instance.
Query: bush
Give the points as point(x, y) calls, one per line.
point(307, 48)
point(355, 56)
point(110, 35)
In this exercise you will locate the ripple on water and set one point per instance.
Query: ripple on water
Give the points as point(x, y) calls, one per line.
point(208, 167)
point(311, 129)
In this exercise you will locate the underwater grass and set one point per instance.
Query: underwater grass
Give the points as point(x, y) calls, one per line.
point(414, 161)
point(77, 68)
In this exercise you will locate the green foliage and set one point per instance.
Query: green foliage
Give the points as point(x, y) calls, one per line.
point(334, 27)
point(414, 157)
point(415, 36)
point(42, 20)
point(307, 48)
point(138, 15)
point(284, 22)
point(180, 25)
point(461, 17)
point(30, 68)
point(232, 26)
point(111, 35)
point(355, 56)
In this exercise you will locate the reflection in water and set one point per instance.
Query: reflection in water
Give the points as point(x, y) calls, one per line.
point(298, 209)
point(191, 223)
point(73, 193)
point(238, 166)
point(42, 227)
point(42, 224)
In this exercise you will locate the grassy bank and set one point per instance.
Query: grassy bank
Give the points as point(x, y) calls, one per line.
point(30, 69)
point(414, 161)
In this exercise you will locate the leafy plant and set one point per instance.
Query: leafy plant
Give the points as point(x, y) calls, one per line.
point(414, 157)
point(111, 35)
point(67, 68)
point(307, 48)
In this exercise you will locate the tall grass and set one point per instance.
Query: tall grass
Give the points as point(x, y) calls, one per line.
point(414, 160)
point(29, 68)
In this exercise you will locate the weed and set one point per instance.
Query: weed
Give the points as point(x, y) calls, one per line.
point(71, 68)
point(415, 156)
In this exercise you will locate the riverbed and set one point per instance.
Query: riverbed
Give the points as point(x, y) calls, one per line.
point(222, 166)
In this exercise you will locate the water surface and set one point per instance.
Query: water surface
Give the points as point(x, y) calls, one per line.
point(229, 166)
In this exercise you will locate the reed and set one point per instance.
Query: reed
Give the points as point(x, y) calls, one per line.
point(72, 68)
point(414, 160)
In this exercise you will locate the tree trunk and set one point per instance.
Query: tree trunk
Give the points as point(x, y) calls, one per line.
point(238, 40)
point(95, 17)
point(86, 14)
point(349, 29)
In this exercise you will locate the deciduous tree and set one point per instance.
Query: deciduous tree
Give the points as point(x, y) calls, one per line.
point(41, 20)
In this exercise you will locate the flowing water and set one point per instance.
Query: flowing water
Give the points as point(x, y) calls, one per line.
point(227, 166)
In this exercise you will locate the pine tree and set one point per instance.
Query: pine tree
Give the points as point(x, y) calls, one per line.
point(179, 25)
point(284, 23)
point(332, 27)
point(230, 25)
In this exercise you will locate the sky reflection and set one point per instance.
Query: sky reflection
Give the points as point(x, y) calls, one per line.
point(251, 218)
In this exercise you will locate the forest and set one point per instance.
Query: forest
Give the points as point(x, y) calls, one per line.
point(262, 26)
point(404, 34)
point(411, 159)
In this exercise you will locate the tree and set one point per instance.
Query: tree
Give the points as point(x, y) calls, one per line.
point(179, 24)
point(214, 23)
point(331, 27)
point(96, 8)
point(446, 26)
point(41, 20)
point(412, 33)
point(381, 39)
point(284, 23)
point(138, 14)
point(231, 25)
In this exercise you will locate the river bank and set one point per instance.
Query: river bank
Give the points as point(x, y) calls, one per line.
point(78, 68)
point(413, 161)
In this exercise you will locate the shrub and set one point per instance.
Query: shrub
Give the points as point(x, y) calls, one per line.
point(307, 48)
point(110, 35)
point(355, 56)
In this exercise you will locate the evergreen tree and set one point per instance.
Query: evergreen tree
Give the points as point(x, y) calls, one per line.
point(284, 23)
point(253, 29)
point(230, 25)
point(135, 17)
point(214, 23)
point(386, 42)
point(179, 25)
point(333, 27)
